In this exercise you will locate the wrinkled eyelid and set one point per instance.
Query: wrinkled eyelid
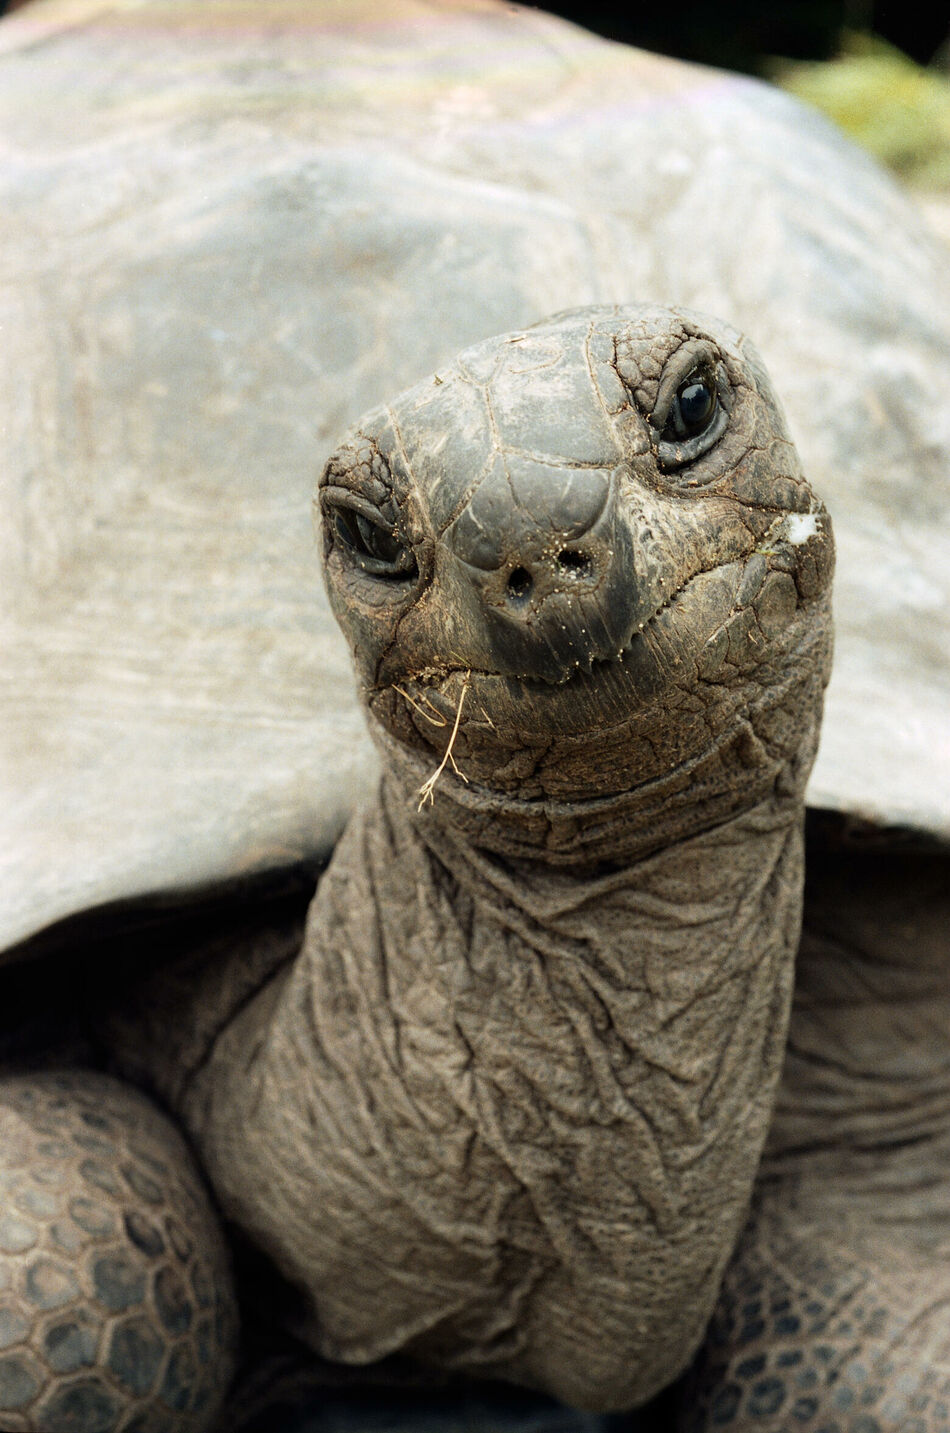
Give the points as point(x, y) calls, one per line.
point(695, 356)
point(357, 480)
point(335, 496)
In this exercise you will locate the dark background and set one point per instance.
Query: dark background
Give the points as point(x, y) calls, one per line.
point(745, 34)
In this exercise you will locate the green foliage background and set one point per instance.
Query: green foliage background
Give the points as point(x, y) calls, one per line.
point(897, 109)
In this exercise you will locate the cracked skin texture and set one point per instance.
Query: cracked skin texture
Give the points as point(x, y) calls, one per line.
point(505, 1110)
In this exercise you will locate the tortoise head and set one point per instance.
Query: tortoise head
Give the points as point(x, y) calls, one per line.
point(586, 553)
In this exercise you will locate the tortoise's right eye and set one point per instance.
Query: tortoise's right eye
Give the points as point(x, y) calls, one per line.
point(375, 547)
point(696, 402)
point(366, 538)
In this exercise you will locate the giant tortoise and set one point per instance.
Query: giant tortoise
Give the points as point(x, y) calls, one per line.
point(227, 233)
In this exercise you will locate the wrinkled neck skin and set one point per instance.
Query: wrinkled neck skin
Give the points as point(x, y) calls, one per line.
point(504, 1112)
point(732, 754)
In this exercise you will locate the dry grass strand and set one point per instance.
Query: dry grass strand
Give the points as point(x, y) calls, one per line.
point(437, 720)
point(428, 787)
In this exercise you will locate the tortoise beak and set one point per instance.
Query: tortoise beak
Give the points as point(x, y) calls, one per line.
point(543, 566)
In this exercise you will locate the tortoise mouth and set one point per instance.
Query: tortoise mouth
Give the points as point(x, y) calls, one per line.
point(582, 671)
point(685, 674)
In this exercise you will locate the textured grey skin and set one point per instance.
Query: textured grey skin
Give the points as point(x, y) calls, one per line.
point(505, 1109)
point(247, 231)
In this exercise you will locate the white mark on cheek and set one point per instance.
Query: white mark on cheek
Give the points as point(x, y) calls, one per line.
point(800, 526)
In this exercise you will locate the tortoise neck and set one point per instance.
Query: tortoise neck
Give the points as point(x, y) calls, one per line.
point(551, 1087)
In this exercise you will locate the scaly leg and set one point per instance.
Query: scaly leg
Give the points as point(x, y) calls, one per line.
point(835, 1313)
point(823, 1329)
point(117, 1311)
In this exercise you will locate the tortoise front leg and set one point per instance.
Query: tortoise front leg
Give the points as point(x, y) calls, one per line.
point(835, 1313)
point(824, 1326)
point(117, 1312)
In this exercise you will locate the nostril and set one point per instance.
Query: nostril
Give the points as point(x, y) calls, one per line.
point(520, 583)
point(574, 564)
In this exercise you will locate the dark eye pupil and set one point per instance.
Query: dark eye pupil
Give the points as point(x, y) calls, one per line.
point(697, 403)
point(378, 541)
point(368, 539)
